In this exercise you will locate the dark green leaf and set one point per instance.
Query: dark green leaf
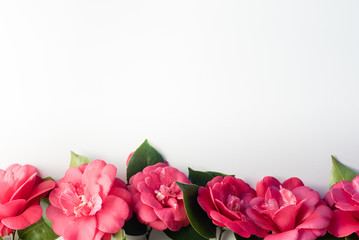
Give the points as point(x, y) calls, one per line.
point(202, 178)
point(196, 215)
point(215, 174)
point(184, 233)
point(38, 231)
point(252, 237)
point(1, 238)
point(77, 160)
point(199, 178)
point(119, 235)
point(133, 227)
point(340, 172)
point(144, 156)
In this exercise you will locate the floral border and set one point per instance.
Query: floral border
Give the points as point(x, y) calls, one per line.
point(200, 205)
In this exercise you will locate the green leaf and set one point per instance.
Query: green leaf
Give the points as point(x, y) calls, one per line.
point(184, 233)
point(134, 228)
point(199, 178)
point(119, 235)
point(1, 238)
point(340, 172)
point(44, 203)
point(215, 174)
point(77, 160)
point(196, 215)
point(202, 178)
point(38, 231)
point(144, 156)
point(252, 237)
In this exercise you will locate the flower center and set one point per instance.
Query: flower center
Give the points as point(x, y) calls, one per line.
point(234, 203)
point(166, 195)
point(87, 207)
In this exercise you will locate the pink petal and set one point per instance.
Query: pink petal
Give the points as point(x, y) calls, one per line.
point(165, 214)
point(289, 235)
point(122, 193)
point(30, 216)
point(305, 234)
point(234, 226)
point(285, 217)
point(158, 225)
point(292, 183)
point(99, 172)
point(59, 220)
point(227, 212)
point(343, 224)
point(319, 219)
point(144, 213)
point(25, 189)
point(263, 185)
point(112, 216)
point(41, 188)
point(81, 228)
point(261, 221)
point(73, 175)
point(12, 208)
point(204, 199)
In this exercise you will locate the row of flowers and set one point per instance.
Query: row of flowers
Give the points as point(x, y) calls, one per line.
point(158, 196)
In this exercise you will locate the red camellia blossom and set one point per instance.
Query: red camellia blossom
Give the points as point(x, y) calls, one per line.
point(89, 202)
point(158, 201)
point(344, 198)
point(225, 199)
point(290, 211)
point(21, 188)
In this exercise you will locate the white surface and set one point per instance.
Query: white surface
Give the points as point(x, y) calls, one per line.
point(248, 88)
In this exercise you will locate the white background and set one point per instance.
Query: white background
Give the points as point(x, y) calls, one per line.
point(251, 88)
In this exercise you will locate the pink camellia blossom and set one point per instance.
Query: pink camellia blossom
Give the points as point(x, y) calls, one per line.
point(290, 211)
point(89, 202)
point(21, 188)
point(344, 198)
point(225, 200)
point(158, 201)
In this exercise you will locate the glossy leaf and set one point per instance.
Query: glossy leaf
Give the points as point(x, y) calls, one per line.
point(133, 227)
point(202, 178)
point(144, 156)
point(119, 235)
point(77, 160)
point(199, 178)
point(44, 203)
point(184, 233)
point(196, 215)
point(340, 172)
point(38, 231)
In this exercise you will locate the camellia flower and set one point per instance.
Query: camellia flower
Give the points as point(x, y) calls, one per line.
point(290, 211)
point(21, 188)
point(89, 202)
point(344, 198)
point(158, 201)
point(225, 200)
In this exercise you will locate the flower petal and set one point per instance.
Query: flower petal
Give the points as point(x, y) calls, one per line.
point(59, 220)
point(111, 217)
point(12, 208)
point(30, 216)
point(289, 235)
point(343, 224)
point(85, 228)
